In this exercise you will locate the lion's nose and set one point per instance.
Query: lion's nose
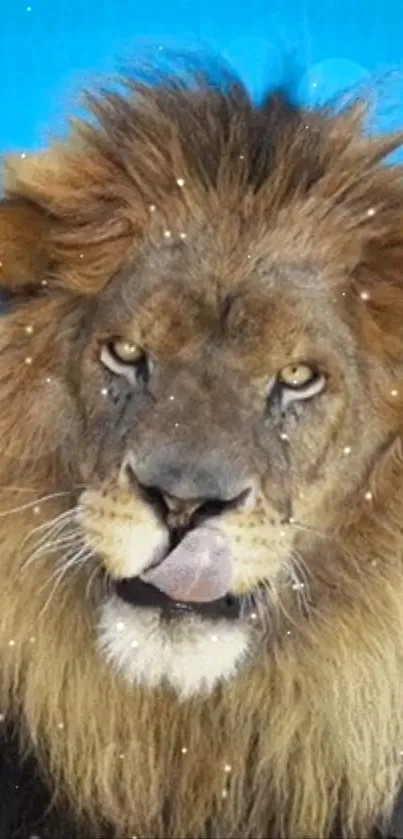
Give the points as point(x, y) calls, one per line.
point(186, 487)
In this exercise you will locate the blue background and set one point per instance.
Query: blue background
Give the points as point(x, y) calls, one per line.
point(49, 49)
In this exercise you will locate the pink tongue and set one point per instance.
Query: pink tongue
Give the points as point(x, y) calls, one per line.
point(198, 570)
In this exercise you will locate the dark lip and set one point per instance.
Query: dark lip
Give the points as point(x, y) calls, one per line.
point(139, 594)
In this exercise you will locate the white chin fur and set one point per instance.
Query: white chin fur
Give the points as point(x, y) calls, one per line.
point(191, 655)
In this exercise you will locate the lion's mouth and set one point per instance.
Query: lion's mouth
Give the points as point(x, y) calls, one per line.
point(140, 594)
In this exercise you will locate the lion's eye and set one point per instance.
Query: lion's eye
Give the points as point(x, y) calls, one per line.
point(297, 375)
point(125, 351)
point(124, 358)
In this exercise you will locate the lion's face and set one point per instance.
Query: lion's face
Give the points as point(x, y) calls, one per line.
point(227, 420)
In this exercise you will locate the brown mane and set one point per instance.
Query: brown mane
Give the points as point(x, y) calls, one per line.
point(313, 731)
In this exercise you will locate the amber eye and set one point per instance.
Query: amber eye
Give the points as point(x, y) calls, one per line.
point(297, 375)
point(125, 358)
point(125, 351)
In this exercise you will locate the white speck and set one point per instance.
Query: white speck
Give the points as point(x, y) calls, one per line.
point(167, 234)
point(29, 330)
point(81, 256)
point(364, 295)
point(298, 586)
point(368, 496)
point(28, 360)
point(60, 725)
point(104, 391)
point(242, 157)
point(401, 753)
point(23, 156)
point(29, 9)
point(48, 380)
point(184, 750)
point(371, 211)
point(393, 392)
point(343, 294)
point(214, 638)
point(253, 616)
point(347, 450)
point(249, 256)
point(314, 84)
point(227, 768)
point(291, 520)
point(134, 645)
point(152, 208)
point(282, 532)
point(37, 509)
point(120, 625)
point(11, 643)
point(121, 756)
point(288, 632)
point(176, 425)
point(224, 793)
point(171, 398)
point(180, 181)
point(182, 236)
point(44, 282)
point(284, 436)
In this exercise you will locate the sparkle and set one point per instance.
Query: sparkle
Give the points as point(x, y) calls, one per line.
point(180, 181)
point(176, 425)
point(288, 632)
point(167, 234)
point(214, 638)
point(368, 496)
point(28, 360)
point(121, 756)
point(152, 208)
point(104, 391)
point(134, 645)
point(227, 768)
point(242, 157)
point(81, 256)
point(343, 294)
point(60, 725)
point(284, 436)
point(120, 625)
point(184, 750)
point(11, 643)
point(249, 256)
point(282, 532)
point(347, 450)
point(364, 295)
point(182, 236)
point(371, 211)
point(393, 392)
point(29, 330)
point(44, 282)
point(401, 753)
point(253, 616)
point(314, 84)
point(37, 509)
point(171, 398)
point(291, 520)
point(23, 156)
point(29, 8)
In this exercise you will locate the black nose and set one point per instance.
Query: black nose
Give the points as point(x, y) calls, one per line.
point(187, 488)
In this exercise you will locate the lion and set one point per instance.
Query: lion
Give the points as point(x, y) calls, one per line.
point(201, 470)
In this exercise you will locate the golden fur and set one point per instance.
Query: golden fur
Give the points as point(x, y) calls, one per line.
point(311, 731)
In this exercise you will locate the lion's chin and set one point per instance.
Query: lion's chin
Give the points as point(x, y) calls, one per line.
point(189, 654)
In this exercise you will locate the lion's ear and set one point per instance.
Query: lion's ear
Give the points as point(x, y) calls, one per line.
point(24, 260)
point(24, 227)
